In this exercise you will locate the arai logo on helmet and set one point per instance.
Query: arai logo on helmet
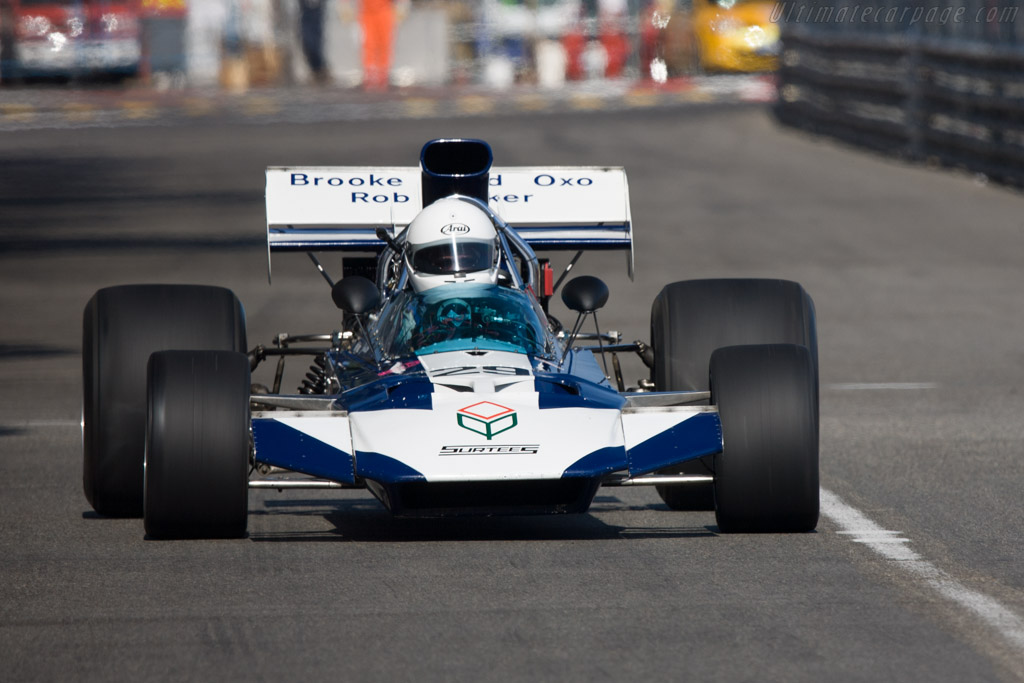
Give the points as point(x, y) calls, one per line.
point(455, 229)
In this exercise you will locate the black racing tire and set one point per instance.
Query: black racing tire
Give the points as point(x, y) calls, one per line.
point(197, 445)
point(766, 479)
point(122, 326)
point(692, 318)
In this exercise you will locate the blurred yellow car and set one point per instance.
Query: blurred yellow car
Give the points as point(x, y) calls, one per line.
point(735, 35)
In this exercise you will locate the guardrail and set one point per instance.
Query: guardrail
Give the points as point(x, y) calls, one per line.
point(926, 98)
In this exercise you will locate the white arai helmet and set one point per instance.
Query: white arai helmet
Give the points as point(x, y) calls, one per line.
point(451, 241)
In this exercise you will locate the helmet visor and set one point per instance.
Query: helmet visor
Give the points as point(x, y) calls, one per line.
point(451, 256)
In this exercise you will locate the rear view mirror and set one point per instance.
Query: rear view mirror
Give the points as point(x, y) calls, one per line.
point(585, 294)
point(356, 295)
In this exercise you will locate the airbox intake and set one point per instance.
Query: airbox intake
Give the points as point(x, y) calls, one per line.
point(455, 167)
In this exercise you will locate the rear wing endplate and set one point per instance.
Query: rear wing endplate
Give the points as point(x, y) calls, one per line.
point(552, 208)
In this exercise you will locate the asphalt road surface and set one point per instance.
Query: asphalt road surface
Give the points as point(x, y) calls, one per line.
point(916, 571)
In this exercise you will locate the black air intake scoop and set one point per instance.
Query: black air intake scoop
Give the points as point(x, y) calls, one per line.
point(455, 167)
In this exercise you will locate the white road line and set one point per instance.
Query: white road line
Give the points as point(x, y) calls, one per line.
point(876, 536)
point(891, 546)
point(31, 424)
point(882, 386)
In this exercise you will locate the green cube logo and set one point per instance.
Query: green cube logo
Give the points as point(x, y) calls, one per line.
point(487, 419)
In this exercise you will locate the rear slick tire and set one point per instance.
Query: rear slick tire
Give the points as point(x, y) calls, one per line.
point(197, 445)
point(766, 478)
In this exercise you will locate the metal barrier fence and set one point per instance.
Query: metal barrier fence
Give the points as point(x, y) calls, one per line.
point(930, 82)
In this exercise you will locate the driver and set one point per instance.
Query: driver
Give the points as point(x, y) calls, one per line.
point(451, 242)
point(451, 319)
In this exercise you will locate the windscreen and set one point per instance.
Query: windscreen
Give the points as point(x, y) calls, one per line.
point(463, 317)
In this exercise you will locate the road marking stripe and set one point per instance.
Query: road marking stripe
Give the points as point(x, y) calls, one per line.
point(474, 104)
point(197, 106)
point(876, 536)
point(420, 107)
point(38, 424)
point(641, 99)
point(532, 103)
point(138, 109)
point(695, 96)
point(259, 106)
point(854, 523)
point(16, 111)
point(882, 386)
point(77, 111)
point(582, 102)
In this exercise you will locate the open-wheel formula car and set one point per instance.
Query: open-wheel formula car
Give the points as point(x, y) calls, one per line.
point(449, 389)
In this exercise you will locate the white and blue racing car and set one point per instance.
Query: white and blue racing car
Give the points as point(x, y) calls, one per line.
point(449, 389)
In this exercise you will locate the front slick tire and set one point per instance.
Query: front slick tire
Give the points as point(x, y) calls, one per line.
point(692, 318)
point(766, 479)
point(122, 326)
point(197, 445)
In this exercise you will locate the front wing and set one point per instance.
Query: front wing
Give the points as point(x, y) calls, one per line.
point(453, 441)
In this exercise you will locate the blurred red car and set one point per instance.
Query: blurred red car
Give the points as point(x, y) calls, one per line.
point(68, 38)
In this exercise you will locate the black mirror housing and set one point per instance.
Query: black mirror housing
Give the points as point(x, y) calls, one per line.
point(356, 295)
point(585, 294)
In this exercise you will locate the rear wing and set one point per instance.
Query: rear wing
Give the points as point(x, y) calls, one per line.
point(552, 208)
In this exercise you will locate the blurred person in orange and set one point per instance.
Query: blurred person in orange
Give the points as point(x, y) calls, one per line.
point(377, 19)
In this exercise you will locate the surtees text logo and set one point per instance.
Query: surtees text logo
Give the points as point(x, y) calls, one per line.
point(487, 419)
